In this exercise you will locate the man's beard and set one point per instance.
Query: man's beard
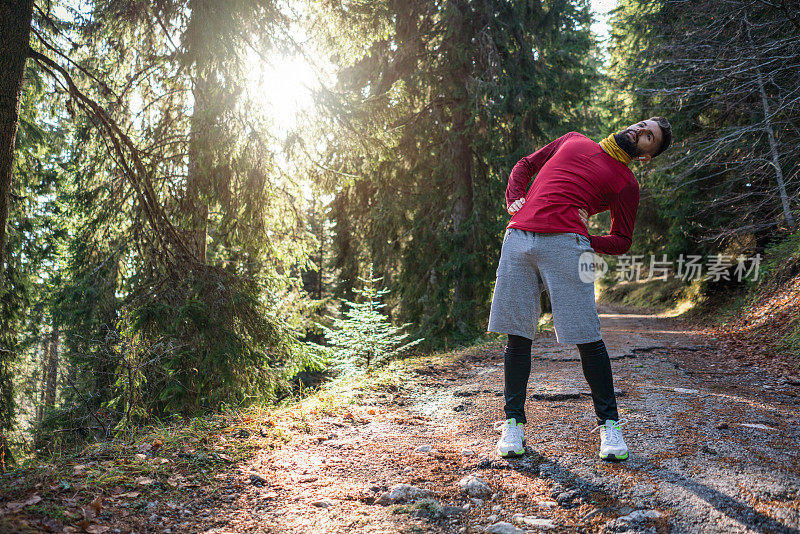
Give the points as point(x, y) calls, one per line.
point(625, 143)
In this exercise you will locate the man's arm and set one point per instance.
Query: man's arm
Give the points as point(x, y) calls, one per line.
point(623, 217)
point(526, 168)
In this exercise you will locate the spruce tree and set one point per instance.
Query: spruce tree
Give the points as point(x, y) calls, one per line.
point(434, 103)
point(364, 338)
point(725, 74)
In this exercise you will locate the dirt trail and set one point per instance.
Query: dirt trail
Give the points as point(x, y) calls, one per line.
point(693, 464)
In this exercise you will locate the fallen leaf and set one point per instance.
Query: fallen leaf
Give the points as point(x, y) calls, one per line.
point(88, 513)
point(17, 506)
point(97, 504)
point(130, 495)
point(226, 457)
point(144, 481)
point(97, 529)
point(141, 457)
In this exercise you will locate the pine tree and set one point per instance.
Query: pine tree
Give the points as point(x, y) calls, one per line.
point(434, 103)
point(364, 337)
point(726, 75)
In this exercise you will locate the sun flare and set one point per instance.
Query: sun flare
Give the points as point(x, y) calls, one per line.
point(282, 88)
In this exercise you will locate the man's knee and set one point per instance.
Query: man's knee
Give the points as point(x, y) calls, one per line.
point(593, 347)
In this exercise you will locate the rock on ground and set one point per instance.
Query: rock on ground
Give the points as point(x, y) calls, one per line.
point(403, 493)
point(504, 528)
point(474, 486)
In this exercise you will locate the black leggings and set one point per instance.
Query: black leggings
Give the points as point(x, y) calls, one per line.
point(596, 368)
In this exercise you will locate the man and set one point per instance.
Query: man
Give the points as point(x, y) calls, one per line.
point(541, 251)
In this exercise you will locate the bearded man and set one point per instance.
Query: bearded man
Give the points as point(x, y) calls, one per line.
point(575, 178)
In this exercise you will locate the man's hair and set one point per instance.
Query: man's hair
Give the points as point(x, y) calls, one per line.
point(666, 133)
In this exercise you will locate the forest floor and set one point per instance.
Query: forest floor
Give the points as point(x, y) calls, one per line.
point(714, 439)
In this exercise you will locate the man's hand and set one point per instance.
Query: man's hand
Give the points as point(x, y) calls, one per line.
point(515, 206)
point(584, 217)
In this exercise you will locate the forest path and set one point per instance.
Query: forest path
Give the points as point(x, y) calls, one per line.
point(694, 464)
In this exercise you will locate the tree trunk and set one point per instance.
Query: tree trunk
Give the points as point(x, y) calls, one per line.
point(15, 28)
point(464, 290)
point(43, 379)
point(773, 145)
point(773, 149)
point(6, 458)
point(198, 176)
point(52, 371)
point(108, 356)
point(196, 207)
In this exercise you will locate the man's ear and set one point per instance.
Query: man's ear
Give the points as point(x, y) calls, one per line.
point(645, 158)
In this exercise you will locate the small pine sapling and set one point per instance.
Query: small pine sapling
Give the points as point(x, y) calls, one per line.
point(364, 337)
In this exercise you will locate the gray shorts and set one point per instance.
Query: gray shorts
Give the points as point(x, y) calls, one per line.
point(532, 262)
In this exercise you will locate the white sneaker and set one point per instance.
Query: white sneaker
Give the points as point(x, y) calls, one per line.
point(612, 446)
point(512, 442)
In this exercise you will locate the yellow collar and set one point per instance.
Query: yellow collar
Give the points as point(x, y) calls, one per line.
point(609, 144)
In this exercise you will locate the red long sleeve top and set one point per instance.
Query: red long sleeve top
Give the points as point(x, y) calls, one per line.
point(575, 172)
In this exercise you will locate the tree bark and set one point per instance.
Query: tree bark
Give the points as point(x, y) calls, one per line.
point(6, 458)
point(15, 28)
point(197, 209)
point(463, 201)
point(52, 371)
point(198, 175)
point(773, 149)
point(44, 345)
point(464, 291)
point(773, 144)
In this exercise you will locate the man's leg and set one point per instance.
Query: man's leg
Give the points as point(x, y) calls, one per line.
point(563, 261)
point(517, 368)
point(597, 370)
point(515, 312)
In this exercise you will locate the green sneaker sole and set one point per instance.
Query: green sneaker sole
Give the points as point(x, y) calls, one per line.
point(613, 457)
point(514, 454)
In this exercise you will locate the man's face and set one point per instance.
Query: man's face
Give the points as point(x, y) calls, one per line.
point(640, 140)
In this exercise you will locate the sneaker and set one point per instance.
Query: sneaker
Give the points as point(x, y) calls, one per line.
point(612, 446)
point(512, 442)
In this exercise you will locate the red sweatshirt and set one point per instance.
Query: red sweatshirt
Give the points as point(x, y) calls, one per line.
point(574, 172)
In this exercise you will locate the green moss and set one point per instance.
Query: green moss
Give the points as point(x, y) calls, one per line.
point(781, 259)
point(431, 505)
point(791, 341)
point(47, 510)
point(653, 295)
